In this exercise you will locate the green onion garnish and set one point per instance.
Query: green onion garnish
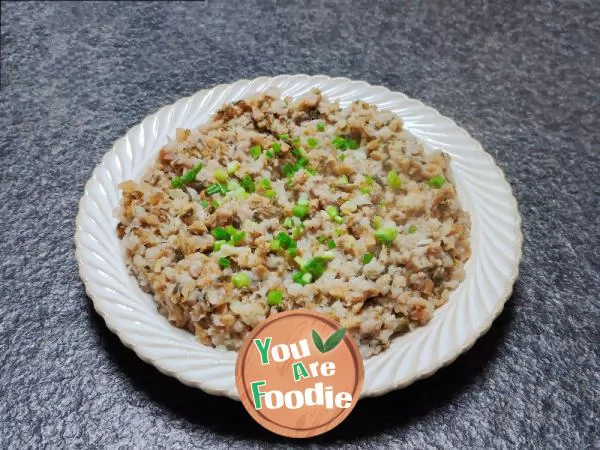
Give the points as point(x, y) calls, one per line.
point(224, 262)
point(300, 210)
point(393, 180)
point(367, 258)
point(237, 237)
point(218, 245)
point(187, 177)
point(248, 184)
point(275, 245)
point(221, 233)
point(377, 221)
point(270, 154)
point(331, 244)
point(437, 182)
point(284, 137)
point(233, 167)
point(255, 151)
point(312, 142)
point(352, 144)
point(320, 126)
point(274, 297)
point(216, 188)
point(270, 193)
point(220, 175)
point(276, 147)
point(293, 251)
point(204, 203)
point(240, 280)
point(339, 143)
point(386, 235)
point(176, 183)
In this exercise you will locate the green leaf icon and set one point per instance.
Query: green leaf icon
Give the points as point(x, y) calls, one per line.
point(334, 340)
point(318, 341)
point(331, 342)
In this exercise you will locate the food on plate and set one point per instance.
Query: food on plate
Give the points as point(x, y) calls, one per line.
point(279, 204)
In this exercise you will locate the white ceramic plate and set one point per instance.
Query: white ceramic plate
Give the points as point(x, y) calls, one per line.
point(132, 315)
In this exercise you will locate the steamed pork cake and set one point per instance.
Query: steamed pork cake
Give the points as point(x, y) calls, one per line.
point(278, 204)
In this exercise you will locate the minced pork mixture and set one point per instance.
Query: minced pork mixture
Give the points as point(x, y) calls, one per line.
point(278, 204)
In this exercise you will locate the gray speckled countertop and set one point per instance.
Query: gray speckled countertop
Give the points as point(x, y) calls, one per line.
point(522, 77)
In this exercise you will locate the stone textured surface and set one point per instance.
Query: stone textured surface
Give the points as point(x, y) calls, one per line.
point(522, 77)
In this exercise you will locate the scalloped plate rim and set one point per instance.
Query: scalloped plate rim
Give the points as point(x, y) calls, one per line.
point(376, 391)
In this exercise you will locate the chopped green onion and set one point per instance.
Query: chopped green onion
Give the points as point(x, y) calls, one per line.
point(215, 204)
point(276, 147)
point(298, 152)
point(296, 141)
point(237, 237)
point(204, 203)
point(377, 221)
point(307, 277)
point(248, 184)
point(393, 180)
point(338, 219)
point(437, 182)
point(285, 240)
point(240, 280)
point(270, 193)
point(386, 235)
point(255, 151)
point(297, 232)
point(233, 167)
point(288, 222)
point(176, 183)
point(315, 267)
point(270, 154)
point(220, 175)
point(274, 297)
point(332, 211)
point(216, 188)
point(230, 229)
point(303, 162)
point(367, 258)
point(290, 169)
point(352, 144)
point(343, 179)
point(221, 234)
point(312, 142)
point(189, 177)
point(297, 278)
point(224, 262)
point(331, 244)
point(411, 229)
point(322, 239)
point(310, 170)
point(275, 245)
point(284, 137)
point(320, 126)
point(342, 157)
point(300, 210)
point(218, 245)
point(328, 256)
point(293, 251)
point(364, 189)
point(266, 183)
point(303, 201)
point(339, 143)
